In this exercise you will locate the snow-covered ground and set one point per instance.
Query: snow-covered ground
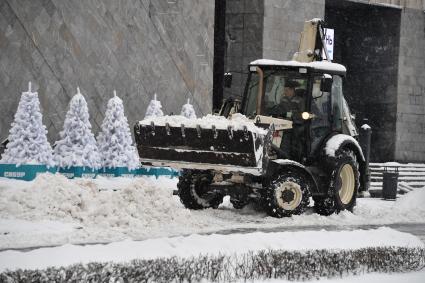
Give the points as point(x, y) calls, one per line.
point(211, 245)
point(53, 210)
point(126, 219)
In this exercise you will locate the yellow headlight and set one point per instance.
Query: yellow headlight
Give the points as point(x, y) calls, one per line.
point(305, 115)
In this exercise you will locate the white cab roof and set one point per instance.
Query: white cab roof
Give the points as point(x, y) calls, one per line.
point(317, 65)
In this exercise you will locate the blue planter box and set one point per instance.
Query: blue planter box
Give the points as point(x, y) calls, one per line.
point(26, 172)
point(29, 172)
point(115, 172)
point(125, 172)
point(77, 172)
point(156, 171)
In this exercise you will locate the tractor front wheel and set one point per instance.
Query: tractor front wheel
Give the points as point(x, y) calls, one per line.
point(286, 195)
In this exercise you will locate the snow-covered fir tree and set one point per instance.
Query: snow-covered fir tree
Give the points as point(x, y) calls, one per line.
point(114, 140)
point(28, 142)
point(154, 109)
point(77, 145)
point(188, 111)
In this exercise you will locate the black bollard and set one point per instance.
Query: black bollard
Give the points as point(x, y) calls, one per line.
point(364, 140)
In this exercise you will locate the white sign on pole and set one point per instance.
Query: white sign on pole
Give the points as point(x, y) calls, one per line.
point(329, 40)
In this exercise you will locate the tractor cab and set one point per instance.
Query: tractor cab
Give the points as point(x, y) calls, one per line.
point(309, 95)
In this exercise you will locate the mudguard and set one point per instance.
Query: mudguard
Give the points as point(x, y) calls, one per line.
point(278, 165)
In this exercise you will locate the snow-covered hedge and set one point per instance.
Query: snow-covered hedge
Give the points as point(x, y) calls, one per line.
point(288, 265)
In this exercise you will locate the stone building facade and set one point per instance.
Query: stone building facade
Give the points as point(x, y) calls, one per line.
point(180, 49)
point(136, 47)
point(381, 42)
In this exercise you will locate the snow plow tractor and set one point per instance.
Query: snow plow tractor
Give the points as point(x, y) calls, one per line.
point(291, 138)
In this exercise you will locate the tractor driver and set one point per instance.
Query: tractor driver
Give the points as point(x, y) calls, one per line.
point(291, 105)
point(292, 102)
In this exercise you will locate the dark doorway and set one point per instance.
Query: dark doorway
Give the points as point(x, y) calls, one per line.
point(367, 42)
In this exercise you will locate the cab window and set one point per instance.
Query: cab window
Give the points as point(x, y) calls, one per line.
point(284, 94)
point(337, 102)
point(250, 106)
point(320, 107)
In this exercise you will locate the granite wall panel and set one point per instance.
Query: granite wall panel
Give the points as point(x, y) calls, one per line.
point(283, 24)
point(136, 47)
point(410, 134)
point(244, 37)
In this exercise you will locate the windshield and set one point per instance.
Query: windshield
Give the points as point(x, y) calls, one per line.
point(284, 94)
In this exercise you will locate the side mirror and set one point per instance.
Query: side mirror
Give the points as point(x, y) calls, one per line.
point(228, 80)
point(326, 84)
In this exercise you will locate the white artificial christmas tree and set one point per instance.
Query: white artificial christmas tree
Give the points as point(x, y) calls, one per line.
point(28, 142)
point(154, 109)
point(114, 140)
point(77, 145)
point(188, 111)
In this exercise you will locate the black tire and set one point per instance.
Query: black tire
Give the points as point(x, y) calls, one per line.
point(343, 185)
point(288, 194)
point(192, 186)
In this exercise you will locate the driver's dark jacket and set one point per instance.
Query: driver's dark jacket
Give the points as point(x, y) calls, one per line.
point(291, 107)
point(293, 139)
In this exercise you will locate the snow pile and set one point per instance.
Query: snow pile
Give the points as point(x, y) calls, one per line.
point(77, 146)
point(188, 111)
point(135, 209)
point(54, 197)
point(28, 136)
point(237, 122)
point(414, 200)
point(114, 140)
point(154, 109)
point(408, 208)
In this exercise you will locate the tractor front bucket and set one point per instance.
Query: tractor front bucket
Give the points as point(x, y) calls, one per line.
point(196, 147)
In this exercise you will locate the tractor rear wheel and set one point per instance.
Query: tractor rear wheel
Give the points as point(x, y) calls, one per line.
point(286, 195)
point(193, 190)
point(343, 186)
